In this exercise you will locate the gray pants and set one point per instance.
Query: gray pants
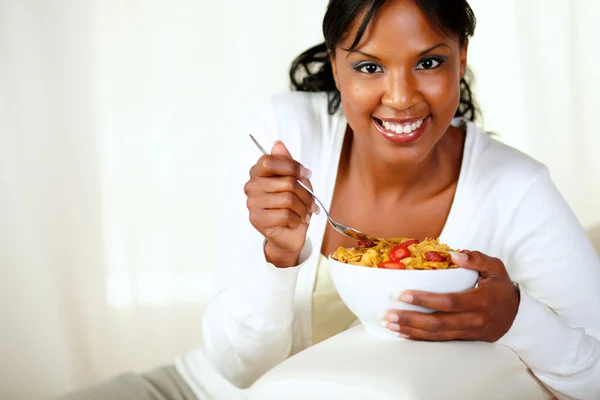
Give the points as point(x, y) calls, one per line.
point(163, 383)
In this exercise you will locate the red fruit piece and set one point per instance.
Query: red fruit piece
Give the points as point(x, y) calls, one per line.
point(434, 256)
point(399, 252)
point(409, 242)
point(392, 265)
point(364, 243)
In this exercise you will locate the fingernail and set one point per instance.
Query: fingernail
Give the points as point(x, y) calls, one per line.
point(307, 218)
point(458, 257)
point(393, 327)
point(405, 336)
point(305, 173)
point(315, 209)
point(404, 297)
point(391, 317)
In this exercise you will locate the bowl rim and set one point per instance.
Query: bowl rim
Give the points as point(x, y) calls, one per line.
point(445, 270)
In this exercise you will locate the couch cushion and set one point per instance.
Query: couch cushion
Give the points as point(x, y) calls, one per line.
point(353, 365)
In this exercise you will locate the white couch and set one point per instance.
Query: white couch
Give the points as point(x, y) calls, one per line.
point(353, 366)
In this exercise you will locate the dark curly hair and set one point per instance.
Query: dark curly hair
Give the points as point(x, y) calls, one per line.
point(311, 71)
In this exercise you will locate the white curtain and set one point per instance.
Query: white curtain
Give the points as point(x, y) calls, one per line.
point(117, 119)
point(538, 84)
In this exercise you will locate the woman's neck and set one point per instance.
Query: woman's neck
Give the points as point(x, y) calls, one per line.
point(385, 182)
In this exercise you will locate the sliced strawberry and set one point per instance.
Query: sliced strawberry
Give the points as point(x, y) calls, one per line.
point(434, 256)
point(365, 243)
point(399, 252)
point(392, 265)
point(409, 242)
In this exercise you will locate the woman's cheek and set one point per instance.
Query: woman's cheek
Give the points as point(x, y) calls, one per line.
point(441, 92)
point(360, 98)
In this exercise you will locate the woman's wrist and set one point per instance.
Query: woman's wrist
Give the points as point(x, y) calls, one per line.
point(279, 258)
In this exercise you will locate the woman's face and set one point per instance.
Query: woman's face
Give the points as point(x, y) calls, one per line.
point(400, 87)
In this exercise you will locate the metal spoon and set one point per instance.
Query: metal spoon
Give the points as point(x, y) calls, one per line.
point(343, 229)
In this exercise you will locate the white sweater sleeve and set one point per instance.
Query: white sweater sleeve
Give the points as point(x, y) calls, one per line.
point(248, 325)
point(557, 328)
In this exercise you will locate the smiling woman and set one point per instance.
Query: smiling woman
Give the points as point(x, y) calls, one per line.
point(383, 114)
point(450, 18)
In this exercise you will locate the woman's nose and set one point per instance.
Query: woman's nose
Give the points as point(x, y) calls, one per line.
point(401, 91)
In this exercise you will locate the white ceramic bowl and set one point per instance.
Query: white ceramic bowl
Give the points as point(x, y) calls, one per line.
point(368, 292)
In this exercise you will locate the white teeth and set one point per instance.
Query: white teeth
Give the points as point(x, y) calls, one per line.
point(402, 129)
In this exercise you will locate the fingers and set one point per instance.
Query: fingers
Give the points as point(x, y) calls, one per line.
point(283, 172)
point(269, 219)
point(437, 322)
point(433, 336)
point(468, 300)
point(313, 208)
point(279, 149)
point(279, 165)
point(282, 200)
point(258, 186)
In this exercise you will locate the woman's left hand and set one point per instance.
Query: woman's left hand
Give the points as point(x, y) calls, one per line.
point(484, 313)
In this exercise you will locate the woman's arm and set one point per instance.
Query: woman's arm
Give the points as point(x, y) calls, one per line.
point(248, 325)
point(554, 324)
point(557, 328)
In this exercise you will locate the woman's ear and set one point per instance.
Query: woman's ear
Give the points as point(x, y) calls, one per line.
point(463, 58)
point(334, 68)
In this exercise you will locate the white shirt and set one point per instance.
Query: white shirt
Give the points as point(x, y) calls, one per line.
point(505, 206)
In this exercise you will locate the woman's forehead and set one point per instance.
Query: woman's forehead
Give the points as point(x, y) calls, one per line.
point(398, 23)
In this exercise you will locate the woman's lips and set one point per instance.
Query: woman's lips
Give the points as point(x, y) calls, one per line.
point(410, 131)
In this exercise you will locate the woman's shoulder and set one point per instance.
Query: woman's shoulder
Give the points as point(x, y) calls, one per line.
point(493, 161)
point(285, 114)
point(303, 120)
point(300, 120)
point(305, 108)
point(308, 102)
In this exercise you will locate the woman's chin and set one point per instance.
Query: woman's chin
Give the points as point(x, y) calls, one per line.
point(404, 157)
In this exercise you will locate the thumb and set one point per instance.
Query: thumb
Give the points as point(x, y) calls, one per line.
point(486, 266)
point(460, 259)
point(279, 149)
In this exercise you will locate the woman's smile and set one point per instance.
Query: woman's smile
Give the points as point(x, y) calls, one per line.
point(401, 131)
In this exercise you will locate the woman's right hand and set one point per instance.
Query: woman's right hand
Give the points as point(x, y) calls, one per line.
point(280, 209)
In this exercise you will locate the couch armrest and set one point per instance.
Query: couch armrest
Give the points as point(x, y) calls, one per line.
point(353, 365)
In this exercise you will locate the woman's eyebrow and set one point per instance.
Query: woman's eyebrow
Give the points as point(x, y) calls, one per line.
point(422, 53)
point(433, 48)
point(364, 54)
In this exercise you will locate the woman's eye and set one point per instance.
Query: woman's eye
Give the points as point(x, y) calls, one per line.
point(430, 63)
point(369, 68)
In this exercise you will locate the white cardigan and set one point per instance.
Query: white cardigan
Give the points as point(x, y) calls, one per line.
point(505, 206)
